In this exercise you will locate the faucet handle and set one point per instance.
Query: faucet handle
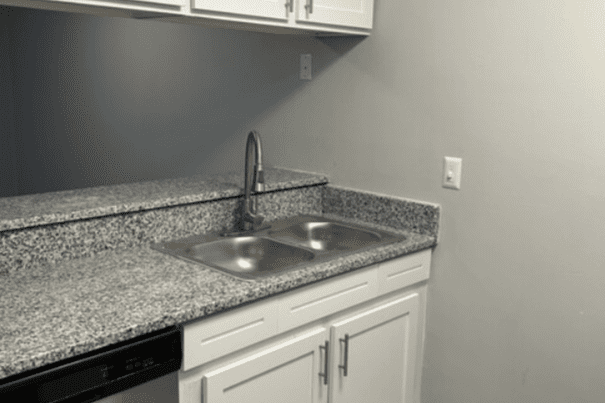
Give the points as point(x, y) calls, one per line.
point(259, 183)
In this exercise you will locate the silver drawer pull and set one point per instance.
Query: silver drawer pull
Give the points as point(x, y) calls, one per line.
point(345, 366)
point(325, 373)
point(309, 6)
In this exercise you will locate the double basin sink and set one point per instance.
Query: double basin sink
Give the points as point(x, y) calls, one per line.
point(281, 246)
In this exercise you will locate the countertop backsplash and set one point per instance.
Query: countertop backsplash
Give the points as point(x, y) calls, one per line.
point(395, 212)
point(87, 222)
point(82, 223)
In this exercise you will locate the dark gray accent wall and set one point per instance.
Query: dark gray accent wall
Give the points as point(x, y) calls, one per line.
point(99, 100)
point(8, 172)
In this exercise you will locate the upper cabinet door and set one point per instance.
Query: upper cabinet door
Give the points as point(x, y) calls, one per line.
point(273, 9)
point(348, 13)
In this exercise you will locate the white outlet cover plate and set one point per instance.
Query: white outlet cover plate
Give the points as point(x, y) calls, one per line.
point(452, 171)
point(305, 66)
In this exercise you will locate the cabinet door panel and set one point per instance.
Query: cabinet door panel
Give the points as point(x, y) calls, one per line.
point(288, 372)
point(349, 13)
point(274, 9)
point(381, 354)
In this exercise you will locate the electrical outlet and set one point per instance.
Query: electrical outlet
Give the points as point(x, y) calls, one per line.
point(452, 170)
point(305, 67)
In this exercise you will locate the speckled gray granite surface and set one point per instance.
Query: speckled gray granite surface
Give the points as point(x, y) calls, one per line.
point(394, 212)
point(35, 246)
point(59, 309)
point(53, 313)
point(56, 207)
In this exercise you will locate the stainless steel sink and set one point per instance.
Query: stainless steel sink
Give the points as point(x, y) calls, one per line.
point(285, 245)
point(327, 236)
point(244, 256)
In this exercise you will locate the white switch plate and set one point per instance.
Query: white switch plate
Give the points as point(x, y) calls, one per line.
point(305, 67)
point(452, 170)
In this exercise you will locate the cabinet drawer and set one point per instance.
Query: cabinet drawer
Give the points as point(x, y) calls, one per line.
point(402, 272)
point(208, 339)
point(323, 299)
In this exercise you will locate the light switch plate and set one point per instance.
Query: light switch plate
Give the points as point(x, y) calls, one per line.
point(452, 170)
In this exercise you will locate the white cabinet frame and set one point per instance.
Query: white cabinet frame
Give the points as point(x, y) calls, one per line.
point(329, 17)
point(394, 307)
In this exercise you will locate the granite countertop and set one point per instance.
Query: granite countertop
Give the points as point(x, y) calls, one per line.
point(59, 311)
point(57, 207)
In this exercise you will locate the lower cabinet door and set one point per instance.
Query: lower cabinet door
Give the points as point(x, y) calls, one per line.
point(288, 372)
point(374, 353)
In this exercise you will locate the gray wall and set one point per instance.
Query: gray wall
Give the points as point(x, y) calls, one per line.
point(515, 88)
point(9, 174)
point(516, 306)
point(89, 101)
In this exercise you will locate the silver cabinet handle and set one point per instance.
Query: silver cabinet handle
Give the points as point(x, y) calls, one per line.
point(345, 366)
point(309, 6)
point(290, 5)
point(325, 373)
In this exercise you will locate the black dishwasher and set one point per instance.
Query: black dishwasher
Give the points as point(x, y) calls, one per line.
point(104, 372)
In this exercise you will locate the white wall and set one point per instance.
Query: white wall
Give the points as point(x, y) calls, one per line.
point(517, 89)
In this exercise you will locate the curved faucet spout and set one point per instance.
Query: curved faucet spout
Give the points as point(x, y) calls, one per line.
point(253, 180)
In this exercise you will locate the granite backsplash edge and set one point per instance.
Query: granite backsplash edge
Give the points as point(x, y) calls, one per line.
point(57, 207)
point(388, 211)
point(49, 244)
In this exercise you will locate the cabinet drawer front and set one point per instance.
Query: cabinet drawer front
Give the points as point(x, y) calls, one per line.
point(403, 272)
point(326, 298)
point(212, 338)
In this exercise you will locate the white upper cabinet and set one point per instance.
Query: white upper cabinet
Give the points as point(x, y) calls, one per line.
point(313, 15)
point(273, 9)
point(310, 17)
point(140, 5)
point(347, 13)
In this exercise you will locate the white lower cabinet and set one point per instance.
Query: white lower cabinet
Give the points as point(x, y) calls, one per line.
point(286, 372)
point(367, 351)
point(374, 354)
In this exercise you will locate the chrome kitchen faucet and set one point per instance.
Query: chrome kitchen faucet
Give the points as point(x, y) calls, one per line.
point(254, 178)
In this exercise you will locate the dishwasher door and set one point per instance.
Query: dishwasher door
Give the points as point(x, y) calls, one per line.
point(101, 373)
